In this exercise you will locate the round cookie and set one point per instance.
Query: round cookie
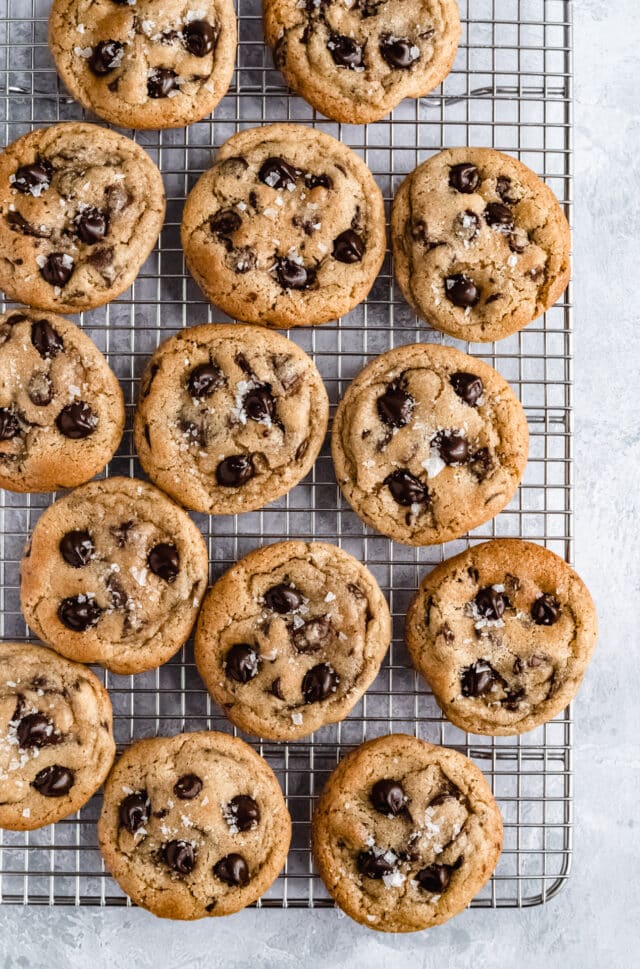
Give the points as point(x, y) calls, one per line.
point(286, 229)
point(61, 408)
point(405, 833)
point(355, 60)
point(193, 825)
point(481, 245)
point(114, 574)
point(428, 443)
point(290, 638)
point(229, 417)
point(145, 63)
point(56, 741)
point(503, 633)
point(81, 208)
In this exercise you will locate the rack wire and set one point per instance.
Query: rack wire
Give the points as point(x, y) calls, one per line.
point(510, 88)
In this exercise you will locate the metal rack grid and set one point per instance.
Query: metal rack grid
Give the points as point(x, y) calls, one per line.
point(510, 89)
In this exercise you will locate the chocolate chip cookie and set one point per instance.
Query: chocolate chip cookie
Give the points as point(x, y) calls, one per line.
point(193, 825)
point(56, 742)
point(61, 408)
point(428, 443)
point(503, 633)
point(114, 574)
point(481, 245)
point(290, 638)
point(286, 229)
point(405, 834)
point(81, 208)
point(145, 63)
point(229, 417)
point(355, 60)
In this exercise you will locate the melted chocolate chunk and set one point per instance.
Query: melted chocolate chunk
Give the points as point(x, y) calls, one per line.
point(477, 679)
point(33, 179)
point(464, 177)
point(242, 663)
point(77, 548)
point(345, 51)
point(18, 223)
point(232, 870)
point(204, 380)
point(276, 689)
point(164, 561)
point(406, 489)
point(117, 594)
point(434, 878)
point(319, 682)
point(503, 188)
point(277, 173)
point(235, 471)
point(498, 216)
point(79, 613)
point(318, 181)
point(105, 57)
point(76, 420)
point(312, 634)
point(180, 856)
point(462, 291)
point(388, 797)
point(9, 424)
point(92, 225)
point(348, 247)
point(36, 730)
point(134, 811)
point(244, 811)
point(45, 339)
point(452, 446)
point(161, 82)
point(199, 37)
point(399, 52)
point(375, 862)
point(258, 403)
point(481, 463)
point(545, 611)
point(40, 389)
point(121, 532)
point(54, 781)
point(194, 433)
point(225, 222)
point(466, 225)
point(187, 787)
point(395, 406)
point(291, 275)
point(467, 386)
point(490, 604)
point(282, 599)
point(58, 269)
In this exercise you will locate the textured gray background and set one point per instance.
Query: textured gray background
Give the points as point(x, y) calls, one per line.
point(594, 921)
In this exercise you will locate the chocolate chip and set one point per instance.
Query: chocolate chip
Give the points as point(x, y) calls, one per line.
point(161, 82)
point(77, 548)
point(452, 446)
point(225, 222)
point(117, 594)
point(180, 856)
point(76, 420)
point(244, 811)
point(395, 406)
point(18, 223)
point(235, 471)
point(312, 634)
point(199, 37)
point(346, 52)
point(187, 787)
point(319, 682)
point(462, 291)
point(276, 689)
point(282, 599)
point(406, 489)
point(242, 663)
point(232, 870)
point(258, 403)
point(194, 433)
point(291, 275)
point(375, 862)
point(503, 189)
point(36, 730)
point(164, 561)
point(9, 424)
point(545, 611)
point(434, 878)
point(464, 177)
point(45, 339)
point(58, 269)
point(348, 247)
point(121, 531)
point(134, 811)
point(79, 613)
point(40, 389)
point(398, 52)
point(204, 380)
point(498, 216)
point(518, 240)
point(92, 225)
point(467, 386)
point(244, 260)
point(277, 173)
point(388, 797)
point(477, 679)
point(490, 604)
point(54, 781)
point(480, 463)
point(106, 56)
point(466, 225)
point(33, 179)
point(322, 180)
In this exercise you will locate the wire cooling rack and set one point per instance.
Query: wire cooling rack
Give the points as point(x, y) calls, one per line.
point(510, 89)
